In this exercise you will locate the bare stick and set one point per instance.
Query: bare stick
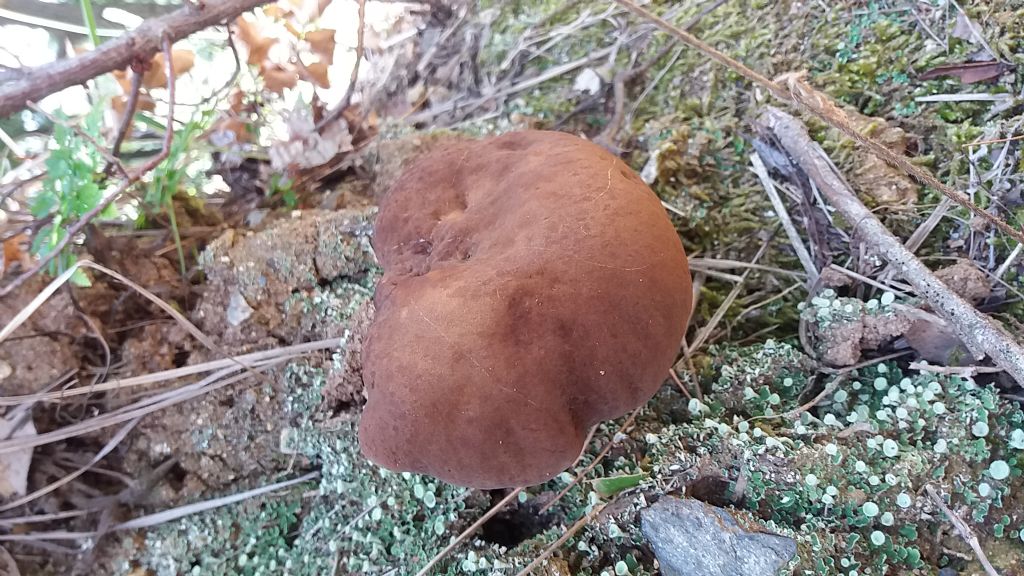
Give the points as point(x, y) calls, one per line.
point(141, 43)
point(963, 529)
point(132, 178)
point(346, 100)
point(129, 113)
point(793, 90)
point(787, 223)
point(469, 532)
point(597, 460)
point(558, 543)
point(981, 336)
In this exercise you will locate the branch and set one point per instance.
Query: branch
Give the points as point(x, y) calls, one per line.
point(964, 530)
point(790, 88)
point(130, 179)
point(141, 43)
point(346, 100)
point(981, 336)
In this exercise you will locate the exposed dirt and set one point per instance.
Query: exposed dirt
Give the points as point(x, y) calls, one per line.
point(259, 290)
point(46, 346)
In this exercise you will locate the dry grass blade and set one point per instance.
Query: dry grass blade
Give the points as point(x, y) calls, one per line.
point(249, 360)
point(705, 333)
point(165, 516)
point(787, 223)
point(469, 532)
point(52, 287)
point(213, 382)
point(107, 448)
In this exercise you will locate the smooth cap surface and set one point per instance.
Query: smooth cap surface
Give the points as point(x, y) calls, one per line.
point(533, 286)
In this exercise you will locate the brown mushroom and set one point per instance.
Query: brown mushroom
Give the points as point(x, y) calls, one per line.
point(533, 286)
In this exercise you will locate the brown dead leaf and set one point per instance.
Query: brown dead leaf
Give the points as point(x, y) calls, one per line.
point(14, 465)
point(276, 78)
point(257, 43)
point(144, 104)
point(936, 343)
point(7, 565)
point(306, 11)
point(181, 62)
point(872, 176)
point(16, 251)
point(969, 72)
point(230, 130)
point(322, 43)
point(317, 74)
point(276, 11)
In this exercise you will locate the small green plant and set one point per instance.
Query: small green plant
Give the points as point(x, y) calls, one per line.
point(171, 175)
point(281, 187)
point(71, 189)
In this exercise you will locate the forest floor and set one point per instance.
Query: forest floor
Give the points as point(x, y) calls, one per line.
point(834, 411)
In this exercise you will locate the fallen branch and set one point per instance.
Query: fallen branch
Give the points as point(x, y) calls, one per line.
point(142, 43)
point(791, 88)
point(964, 530)
point(981, 336)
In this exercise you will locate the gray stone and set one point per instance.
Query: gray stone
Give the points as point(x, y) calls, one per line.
point(691, 538)
point(238, 309)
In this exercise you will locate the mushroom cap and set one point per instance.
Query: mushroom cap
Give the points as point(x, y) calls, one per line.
point(533, 286)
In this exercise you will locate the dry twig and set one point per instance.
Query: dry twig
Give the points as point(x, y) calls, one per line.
point(141, 43)
point(127, 183)
point(562, 539)
point(346, 100)
point(981, 336)
point(963, 529)
point(469, 531)
point(794, 90)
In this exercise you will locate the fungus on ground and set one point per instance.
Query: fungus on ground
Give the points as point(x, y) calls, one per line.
point(533, 286)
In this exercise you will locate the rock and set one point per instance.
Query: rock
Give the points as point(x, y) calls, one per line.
point(238, 309)
point(691, 538)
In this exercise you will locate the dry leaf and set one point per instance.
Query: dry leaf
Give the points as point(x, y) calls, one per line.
point(16, 252)
point(937, 344)
point(276, 11)
point(964, 29)
point(276, 78)
point(322, 43)
point(229, 131)
point(872, 176)
point(257, 44)
point(969, 72)
point(181, 62)
point(14, 465)
point(306, 11)
point(307, 148)
point(317, 74)
point(7, 565)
